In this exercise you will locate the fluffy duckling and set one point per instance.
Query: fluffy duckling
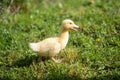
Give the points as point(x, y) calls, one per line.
point(52, 46)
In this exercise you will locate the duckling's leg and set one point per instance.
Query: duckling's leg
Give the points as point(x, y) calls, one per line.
point(57, 61)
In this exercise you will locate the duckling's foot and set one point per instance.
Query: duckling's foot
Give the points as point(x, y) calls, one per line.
point(57, 61)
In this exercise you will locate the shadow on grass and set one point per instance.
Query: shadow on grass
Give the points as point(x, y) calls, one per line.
point(25, 61)
point(28, 60)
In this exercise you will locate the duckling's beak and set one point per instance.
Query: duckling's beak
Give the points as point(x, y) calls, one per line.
point(75, 27)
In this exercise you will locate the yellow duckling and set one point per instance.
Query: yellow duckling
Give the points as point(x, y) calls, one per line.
point(52, 46)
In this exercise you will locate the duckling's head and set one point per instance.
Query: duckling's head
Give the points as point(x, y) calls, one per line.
point(68, 24)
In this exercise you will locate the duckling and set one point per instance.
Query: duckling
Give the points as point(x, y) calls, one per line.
point(52, 46)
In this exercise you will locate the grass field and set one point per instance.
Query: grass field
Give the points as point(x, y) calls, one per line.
point(92, 53)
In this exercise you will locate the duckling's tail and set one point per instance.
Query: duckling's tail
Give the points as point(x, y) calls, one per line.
point(34, 46)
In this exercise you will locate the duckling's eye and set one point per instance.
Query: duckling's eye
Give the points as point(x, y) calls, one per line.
point(70, 23)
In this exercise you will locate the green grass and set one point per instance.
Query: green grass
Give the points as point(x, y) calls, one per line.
point(92, 53)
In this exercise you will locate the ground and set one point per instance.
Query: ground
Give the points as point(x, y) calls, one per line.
point(92, 53)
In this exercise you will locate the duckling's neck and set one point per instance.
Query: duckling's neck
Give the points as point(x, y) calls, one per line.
point(64, 36)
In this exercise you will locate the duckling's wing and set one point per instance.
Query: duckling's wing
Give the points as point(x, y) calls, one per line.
point(50, 45)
